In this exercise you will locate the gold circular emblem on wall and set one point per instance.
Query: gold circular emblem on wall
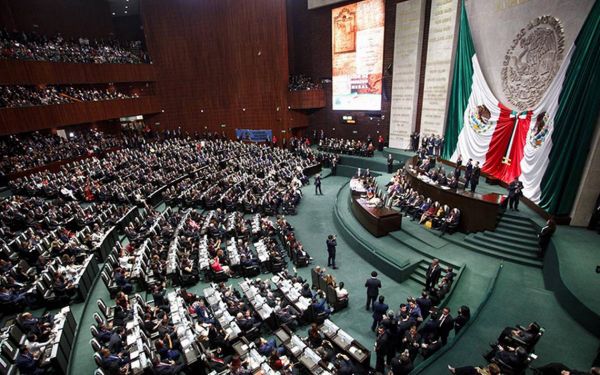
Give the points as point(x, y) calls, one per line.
point(532, 61)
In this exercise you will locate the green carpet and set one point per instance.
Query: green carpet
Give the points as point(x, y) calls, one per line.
point(519, 296)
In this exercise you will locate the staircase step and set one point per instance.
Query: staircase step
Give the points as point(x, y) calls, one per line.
point(418, 246)
point(515, 216)
point(526, 229)
point(418, 278)
point(512, 233)
point(515, 220)
point(419, 272)
point(500, 248)
point(485, 239)
point(530, 241)
point(498, 254)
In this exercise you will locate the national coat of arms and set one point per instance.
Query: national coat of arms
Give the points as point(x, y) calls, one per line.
point(532, 61)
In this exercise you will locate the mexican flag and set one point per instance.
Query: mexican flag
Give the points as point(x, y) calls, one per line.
point(539, 145)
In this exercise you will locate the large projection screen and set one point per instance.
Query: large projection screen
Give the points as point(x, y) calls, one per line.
point(357, 50)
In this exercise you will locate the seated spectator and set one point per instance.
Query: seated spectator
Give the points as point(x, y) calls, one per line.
point(315, 339)
point(18, 45)
point(341, 292)
point(526, 336)
point(266, 347)
point(27, 363)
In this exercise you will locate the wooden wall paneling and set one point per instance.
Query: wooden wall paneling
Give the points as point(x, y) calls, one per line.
point(18, 120)
point(306, 99)
point(36, 72)
point(70, 18)
point(214, 58)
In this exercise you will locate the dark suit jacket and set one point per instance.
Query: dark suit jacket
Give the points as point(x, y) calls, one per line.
point(382, 343)
point(445, 327)
point(468, 171)
point(331, 244)
point(399, 368)
point(115, 344)
point(424, 304)
point(373, 285)
point(26, 364)
point(476, 174)
point(379, 310)
point(434, 274)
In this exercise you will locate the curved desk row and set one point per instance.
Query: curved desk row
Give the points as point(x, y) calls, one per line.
point(378, 221)
point(478, 212)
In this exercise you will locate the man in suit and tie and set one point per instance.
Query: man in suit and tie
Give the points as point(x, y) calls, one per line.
point(445, 324)
point(380, 308)
point(381, 349)
point(515, 190)
point(433, 274)
point(475, 176)
point(318, 184)
point(372, 284)
point(468, 172)
point(390, 163)
point(331, 244)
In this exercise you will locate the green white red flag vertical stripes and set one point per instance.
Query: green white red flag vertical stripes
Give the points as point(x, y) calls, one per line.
point(510, 143)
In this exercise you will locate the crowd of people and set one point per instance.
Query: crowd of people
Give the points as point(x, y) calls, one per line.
point(215, 337)
point(30, 96)
point(301, 82)
point(432, 214)
point(46, 245)
point(30, 46)
point(23, 152)
point(346, 146)
point(132, 173)
point(432, 145)
point(419, 328)
point(426, 167)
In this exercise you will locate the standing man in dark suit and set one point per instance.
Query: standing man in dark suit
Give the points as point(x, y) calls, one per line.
point(445, 324)
point(381, 349)
point(475, 176)
point(515, 190)
point(380, 308)
point(331, 244)
point(372, 284)
point(433, 274)
point(424, 304)
point(318, 184)
point(468, 172)
point(390, 163)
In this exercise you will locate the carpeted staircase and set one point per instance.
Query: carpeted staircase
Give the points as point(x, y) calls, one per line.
point(411, 236)
point(514, 240)
point(418, 274)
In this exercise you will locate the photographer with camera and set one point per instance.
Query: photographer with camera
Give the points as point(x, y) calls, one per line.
point(331, 244)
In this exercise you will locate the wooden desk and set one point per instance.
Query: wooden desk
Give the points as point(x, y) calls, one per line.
point(478, 212)
point(378, 221)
